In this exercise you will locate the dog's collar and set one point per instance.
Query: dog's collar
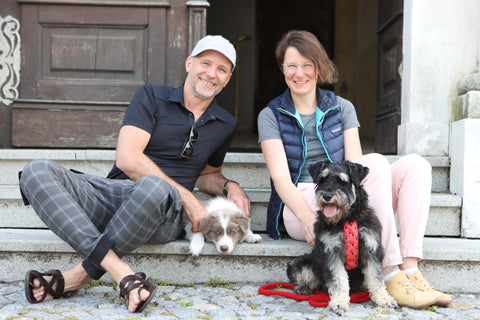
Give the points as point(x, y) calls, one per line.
point(350, 238)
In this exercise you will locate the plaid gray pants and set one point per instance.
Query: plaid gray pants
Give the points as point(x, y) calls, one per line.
point(95, 214)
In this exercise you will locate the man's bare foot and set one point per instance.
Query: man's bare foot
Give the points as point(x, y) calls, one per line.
point(137, 291)
point(135, 288)
point(74, 280)
point(136, 298)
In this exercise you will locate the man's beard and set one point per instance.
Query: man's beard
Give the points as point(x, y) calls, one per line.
point(202, 95)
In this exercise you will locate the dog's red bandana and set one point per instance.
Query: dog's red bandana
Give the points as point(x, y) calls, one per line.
point(350, 237)
point(317, 299)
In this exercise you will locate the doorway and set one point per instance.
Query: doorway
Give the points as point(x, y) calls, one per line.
point(347, 29)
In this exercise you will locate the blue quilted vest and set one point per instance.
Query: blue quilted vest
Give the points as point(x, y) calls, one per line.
point(329, 132)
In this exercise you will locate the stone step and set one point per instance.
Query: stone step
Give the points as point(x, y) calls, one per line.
point(444, 217)
point(248, 169)
point(449, 263)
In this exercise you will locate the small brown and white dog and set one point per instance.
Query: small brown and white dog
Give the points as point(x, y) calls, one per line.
point(225, 225)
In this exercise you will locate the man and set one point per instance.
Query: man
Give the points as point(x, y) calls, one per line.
point(170, 140)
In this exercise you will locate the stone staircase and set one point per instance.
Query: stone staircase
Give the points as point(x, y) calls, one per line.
point(450, 261)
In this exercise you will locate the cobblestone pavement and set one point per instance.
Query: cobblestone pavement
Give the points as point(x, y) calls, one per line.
point(216, 300)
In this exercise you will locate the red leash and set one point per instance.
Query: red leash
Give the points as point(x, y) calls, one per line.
point(320, 298)
point(317, 299)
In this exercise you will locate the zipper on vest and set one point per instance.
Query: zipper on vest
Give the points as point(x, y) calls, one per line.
point(304, 142)
point(319, 135)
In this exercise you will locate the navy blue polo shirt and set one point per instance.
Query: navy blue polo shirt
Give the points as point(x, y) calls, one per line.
point(160, 110)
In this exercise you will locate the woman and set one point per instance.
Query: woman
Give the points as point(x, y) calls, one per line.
point(307, 124)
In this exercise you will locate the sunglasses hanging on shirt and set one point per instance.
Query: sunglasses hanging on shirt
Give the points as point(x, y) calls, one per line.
point(187, 150)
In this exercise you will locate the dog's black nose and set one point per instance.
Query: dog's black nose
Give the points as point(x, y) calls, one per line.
point(327, 196)
point(224, 248)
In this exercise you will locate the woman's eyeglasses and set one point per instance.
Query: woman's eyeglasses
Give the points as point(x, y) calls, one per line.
point(188, 146)
point(293, 67)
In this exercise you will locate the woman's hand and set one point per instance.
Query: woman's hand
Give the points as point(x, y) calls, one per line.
point(307, 225)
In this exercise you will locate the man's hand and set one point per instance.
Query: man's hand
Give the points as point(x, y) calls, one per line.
point(237, 195)
point(195, 211)
point(212, 181)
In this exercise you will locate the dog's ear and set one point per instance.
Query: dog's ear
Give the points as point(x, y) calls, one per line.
point(207, 223)
point(242, 221)
point(356, 171)
point(316, 168)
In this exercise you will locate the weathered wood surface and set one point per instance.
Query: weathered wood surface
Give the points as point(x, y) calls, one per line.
point(81, 65)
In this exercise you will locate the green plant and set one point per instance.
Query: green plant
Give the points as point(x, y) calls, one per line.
point(190, 285)
point(252, 305)
point(219, 283)
point(98, 283)
point(162, 283)
point(431, 308)
point(186, 303)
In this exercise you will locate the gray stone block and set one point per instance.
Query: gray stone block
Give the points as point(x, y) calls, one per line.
point(450, 263)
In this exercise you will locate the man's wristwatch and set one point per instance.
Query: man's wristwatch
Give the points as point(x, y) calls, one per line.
point(225, 192)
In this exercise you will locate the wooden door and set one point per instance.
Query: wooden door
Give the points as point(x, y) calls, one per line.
point(388, 114)
point(82, 63)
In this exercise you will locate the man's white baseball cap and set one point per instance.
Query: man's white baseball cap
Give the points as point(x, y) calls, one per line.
point(217, 43)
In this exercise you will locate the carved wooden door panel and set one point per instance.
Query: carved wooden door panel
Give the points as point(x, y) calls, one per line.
point(82, 63)
point(388, 114)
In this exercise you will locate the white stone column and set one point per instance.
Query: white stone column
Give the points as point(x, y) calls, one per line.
point(465, 153)
point(440, 45)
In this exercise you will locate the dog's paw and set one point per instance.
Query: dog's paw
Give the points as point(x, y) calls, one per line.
point(195, 250)
point(339, 309)
point(385, 301)
point(196, 244)
point(391, 304)
point(339, 305)
point(253, 238)
point(380, 296)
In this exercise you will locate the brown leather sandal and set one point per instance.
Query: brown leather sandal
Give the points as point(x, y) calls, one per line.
point(57, 278)
point(135, 281)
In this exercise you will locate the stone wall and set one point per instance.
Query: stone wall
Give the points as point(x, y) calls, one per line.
point(465, 153)
point(440, 46)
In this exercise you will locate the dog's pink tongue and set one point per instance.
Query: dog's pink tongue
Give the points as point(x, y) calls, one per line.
point(329, 210)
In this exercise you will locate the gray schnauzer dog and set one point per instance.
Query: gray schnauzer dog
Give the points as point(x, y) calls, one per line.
point(342, 200)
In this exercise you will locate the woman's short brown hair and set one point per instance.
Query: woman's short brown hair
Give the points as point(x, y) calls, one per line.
point(308, 45)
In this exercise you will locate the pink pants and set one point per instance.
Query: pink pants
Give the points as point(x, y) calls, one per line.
point(402, 189)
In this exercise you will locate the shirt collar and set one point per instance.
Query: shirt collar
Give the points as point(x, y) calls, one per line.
point(214, 111)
